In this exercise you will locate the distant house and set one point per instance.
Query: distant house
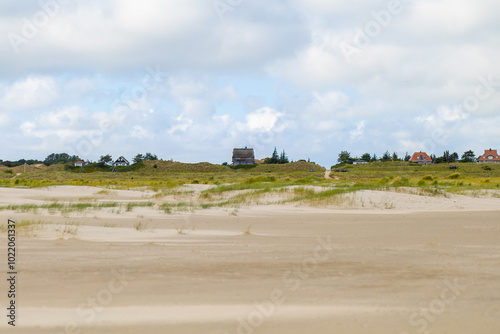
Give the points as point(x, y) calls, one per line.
point(359, 162)
point(489, 156)
point(121, 161)
point(421, 158)
point(79, 163)
point(243, 156)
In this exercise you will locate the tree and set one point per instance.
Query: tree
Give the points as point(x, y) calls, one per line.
point(344, 157)
point(283, 158)
point(56, 158)
point(395, 156)
point(407, 157)
point(447, 157)
point(138, 158)
point(433, 158)
point(277, 159)
point(386, 156)
point(150, 157)
point(366, 157)
point(444, 158)
point(468, 156)
point(105, 159)
point(374, 158)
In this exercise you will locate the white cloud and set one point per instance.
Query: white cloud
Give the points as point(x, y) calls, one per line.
point(358, 132)
point(182, 125)
point(266, 74)
point(5, 119)
point(27, 127)
point(32, 92)
point(263, 119)
point(67, 117)
point(141, 133)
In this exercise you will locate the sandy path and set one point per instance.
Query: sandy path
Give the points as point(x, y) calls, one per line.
point(327, 174)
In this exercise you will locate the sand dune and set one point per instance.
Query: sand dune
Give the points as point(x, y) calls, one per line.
point(381, 262)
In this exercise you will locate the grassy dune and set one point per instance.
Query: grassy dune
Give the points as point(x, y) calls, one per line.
point(299, 182)
point(156, 174)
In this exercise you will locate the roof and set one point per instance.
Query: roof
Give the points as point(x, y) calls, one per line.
point(243, 153)
point(488, 153)
point(420, 156)
point(121, 159)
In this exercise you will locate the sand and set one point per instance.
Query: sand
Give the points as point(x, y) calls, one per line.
point(420, 264)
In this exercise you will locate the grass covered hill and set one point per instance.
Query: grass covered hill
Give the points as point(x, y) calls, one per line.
point(378, 170)
point(165, 173)
point(161, 175)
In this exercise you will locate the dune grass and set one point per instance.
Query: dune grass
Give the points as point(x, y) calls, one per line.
point(57, 206)
point(262, 184)
point(131, 205)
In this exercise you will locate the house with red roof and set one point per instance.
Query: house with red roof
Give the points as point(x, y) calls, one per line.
point(489, 156)
point(421, 158)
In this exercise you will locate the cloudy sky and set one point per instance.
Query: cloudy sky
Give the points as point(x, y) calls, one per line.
point(191, 79)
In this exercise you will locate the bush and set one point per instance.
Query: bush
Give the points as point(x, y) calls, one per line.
point(427, 178)
point(400, 181)
point(244, 166)
point(454, 176)
point(253, 180)
point(131, 168)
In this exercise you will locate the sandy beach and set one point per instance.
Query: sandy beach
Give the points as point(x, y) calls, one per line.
point(381, 262)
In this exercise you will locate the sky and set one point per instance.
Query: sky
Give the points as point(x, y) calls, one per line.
point(190, 80)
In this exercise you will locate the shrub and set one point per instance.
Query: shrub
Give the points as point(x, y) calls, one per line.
point(384, 180)
point(400, 181)
point(427, 178)
point(454, 176)
point(253, 180)
point(244, 166)
point(131, 168)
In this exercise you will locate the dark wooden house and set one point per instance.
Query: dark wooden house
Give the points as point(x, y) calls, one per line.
point(243, 156)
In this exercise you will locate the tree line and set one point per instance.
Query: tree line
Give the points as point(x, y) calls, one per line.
point(345, 157)
point(108, 160)
point(277, 158)
point(65, 158)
